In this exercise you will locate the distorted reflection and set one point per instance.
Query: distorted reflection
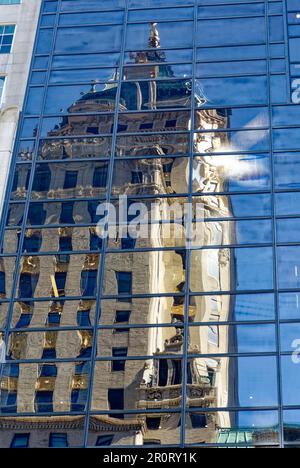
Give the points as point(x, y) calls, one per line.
point(162, 295)
point(53, 313)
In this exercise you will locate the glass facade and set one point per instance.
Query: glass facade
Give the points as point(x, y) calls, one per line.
point(172, 125)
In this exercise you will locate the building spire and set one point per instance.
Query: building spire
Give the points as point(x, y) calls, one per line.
point(154, 39)
point(94, 84)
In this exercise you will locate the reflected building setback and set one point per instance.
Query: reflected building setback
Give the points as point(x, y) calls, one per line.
point(146, 339)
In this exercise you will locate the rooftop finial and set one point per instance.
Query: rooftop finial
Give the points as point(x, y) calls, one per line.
point(94, 86)
point(154, 39)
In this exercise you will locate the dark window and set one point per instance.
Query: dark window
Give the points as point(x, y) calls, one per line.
point(116, 399)
point(44, 402)
point(42, 179)
point(2, 283)
point(82, 368)
point(119, 366)
point(54, 318)
point(212, 376)
point(121, 128)
point(11, 370)
point(104, 441)
point(146, 126)
point(60, 280)
point(163, 372)
point(128, 244)
point(93, 130)
point(177, 372)
point(124, 280)
point(27, 285)
point(8, 402)
point(20, 441)
point(65, 244)
point(153, 424)
point(78, 400)
point(198, 420)
point(167, 168)
point(36, 214)
point(100, 177)
point(49, 353)
point(89, 282)
point(63, 258)
point(58, 441)
point(24, 321)
point(92, 209)
point(15, 182)
point(136, 177)
point(122, 316)
point(95, 242)
point(189, 373)
point(171, 123)
point(32, 243)
point(48, 370)
point(70, 179)
point(83, 318)
point(66, 215)
point(85, 353)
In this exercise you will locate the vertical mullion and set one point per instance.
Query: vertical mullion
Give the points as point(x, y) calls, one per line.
point(33, 165)
point(274, 233)
point(287, 46)
point(188, 224)
point(104, 243)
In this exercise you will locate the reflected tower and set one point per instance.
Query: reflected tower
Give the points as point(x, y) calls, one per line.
point(156, 145)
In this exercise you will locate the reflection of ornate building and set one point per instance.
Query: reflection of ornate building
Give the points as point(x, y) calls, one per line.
point(157, 142)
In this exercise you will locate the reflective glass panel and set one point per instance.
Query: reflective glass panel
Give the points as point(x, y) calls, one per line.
point(246, 429)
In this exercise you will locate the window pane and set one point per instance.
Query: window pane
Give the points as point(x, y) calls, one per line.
point(100, 38)
point(220, 339)
point(288, 264)
point(231, 31)
point(138, 35)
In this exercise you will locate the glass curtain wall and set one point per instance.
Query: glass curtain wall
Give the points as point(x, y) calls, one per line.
point(183, 113)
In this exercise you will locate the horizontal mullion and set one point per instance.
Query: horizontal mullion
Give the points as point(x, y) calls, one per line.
point(144, 197)
point(233, 17)
point(195, 294)
point(143, 250)
point(64, 161)
point(190, 410)
point(119, 298)
point(48, 226)
point(149, 325)
point(253, 59)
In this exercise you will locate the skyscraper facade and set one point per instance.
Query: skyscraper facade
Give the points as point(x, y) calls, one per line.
point(18, 22)
point(149, 267)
